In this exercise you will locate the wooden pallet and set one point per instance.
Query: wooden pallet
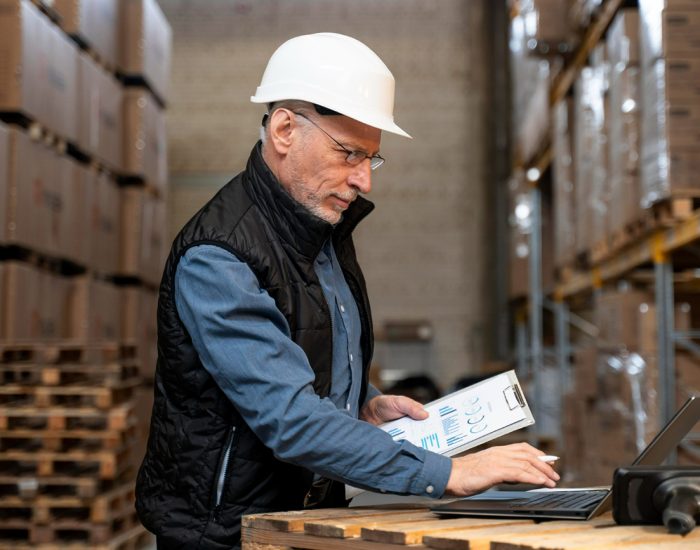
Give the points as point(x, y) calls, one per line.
point(48, 353)
point(100, 464)
point(66, 374)
point(67, 531)
point(25, 487)
point(384, 528)
point(135, 538)
point(66, 440)
point(62, 418)
point(103, 508)
point(99, 396)
point(669, 212)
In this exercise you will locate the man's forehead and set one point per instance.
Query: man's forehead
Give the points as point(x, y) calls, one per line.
point(353, 133)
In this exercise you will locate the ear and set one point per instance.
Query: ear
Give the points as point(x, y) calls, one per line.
point(282, 126)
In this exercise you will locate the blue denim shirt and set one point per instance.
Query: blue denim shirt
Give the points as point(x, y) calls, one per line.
point(244, 342)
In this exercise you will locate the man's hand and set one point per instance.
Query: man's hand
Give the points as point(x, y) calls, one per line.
point(383, 408)
point(516, 463)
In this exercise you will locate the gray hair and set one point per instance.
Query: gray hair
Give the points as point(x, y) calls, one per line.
point(291, 104)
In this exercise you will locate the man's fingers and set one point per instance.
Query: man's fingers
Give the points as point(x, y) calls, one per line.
point(409, 407)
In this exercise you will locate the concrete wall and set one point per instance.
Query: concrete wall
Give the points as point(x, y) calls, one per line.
point(424, 248)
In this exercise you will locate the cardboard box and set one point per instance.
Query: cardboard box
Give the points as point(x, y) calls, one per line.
point(563, 177)
point(585, 372)
point(54, 293)
point(667, 127)
point(100, 101)
point(648, 333)
point(589, 144)
point(547, 25)
point(618, 317)
point(668, 28)
point(26, 218)
point(623, 39)
point(145, 140)
point(22, 84)
point(139, 326)
point(62, 79)
point(154, 249)
point(146, 44)
point(38, 211)
point(20, 307)
point(624, 119)
point(38, 77)
point(94, 23)
point(94, 311)
point(104, 223)
point(76, 222)
point(142, 241)
point(4, 177)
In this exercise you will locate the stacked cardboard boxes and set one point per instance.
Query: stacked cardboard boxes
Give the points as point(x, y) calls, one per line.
point(547, 26)
point(145, 45)
point(38, 76)
point(624, 117)
point(563, 187)
point(81, 134)
point(142, 246)
point(531, 77)
point(93, 23)
point(100, 104)
point(670, 45)
point(145, 146)
point(590, 151)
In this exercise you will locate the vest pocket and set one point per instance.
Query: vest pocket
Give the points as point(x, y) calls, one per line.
point(223, 469)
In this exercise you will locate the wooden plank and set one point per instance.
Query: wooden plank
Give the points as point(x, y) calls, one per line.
point(413, 533)
point(351, 527)
point(480, 539)
point(601, 537)
point(294, 521)
point(285, 539)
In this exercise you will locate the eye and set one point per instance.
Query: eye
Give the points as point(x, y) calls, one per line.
point(356, 157)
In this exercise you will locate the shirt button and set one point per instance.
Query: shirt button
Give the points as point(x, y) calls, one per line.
point(429, 489)
point(347, 407)
point(342, 308)
point(351, 358)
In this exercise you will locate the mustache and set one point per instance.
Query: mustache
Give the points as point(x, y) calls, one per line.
point(350, 196)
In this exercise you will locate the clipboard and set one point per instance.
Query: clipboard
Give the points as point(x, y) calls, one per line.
point(466, 418)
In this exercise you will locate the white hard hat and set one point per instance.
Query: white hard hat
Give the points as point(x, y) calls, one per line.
point(336, 72)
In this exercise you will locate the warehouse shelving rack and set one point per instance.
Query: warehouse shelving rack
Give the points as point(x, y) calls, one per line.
point(656, 249)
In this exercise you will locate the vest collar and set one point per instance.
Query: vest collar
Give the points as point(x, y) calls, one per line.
point(292, 221)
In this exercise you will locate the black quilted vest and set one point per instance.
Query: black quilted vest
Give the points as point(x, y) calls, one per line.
point(193, 422)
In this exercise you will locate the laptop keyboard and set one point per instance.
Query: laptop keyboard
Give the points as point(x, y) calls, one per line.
point(561, 500)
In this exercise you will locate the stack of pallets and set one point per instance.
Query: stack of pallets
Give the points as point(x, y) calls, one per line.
point(68, 445)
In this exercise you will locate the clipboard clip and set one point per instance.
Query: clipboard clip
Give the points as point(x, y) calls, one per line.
point(513, 397)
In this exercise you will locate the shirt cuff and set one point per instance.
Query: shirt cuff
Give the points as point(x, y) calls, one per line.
point(434, 476)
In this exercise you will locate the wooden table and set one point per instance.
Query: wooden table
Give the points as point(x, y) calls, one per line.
point(397, 527)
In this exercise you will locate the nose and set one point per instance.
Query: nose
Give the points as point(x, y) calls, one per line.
point(361, 177)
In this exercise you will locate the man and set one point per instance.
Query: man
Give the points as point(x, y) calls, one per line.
point(264, 326)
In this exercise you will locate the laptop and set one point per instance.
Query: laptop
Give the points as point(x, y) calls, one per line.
point(572, 504)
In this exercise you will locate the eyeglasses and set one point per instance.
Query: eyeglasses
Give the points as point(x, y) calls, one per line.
point(353, 158)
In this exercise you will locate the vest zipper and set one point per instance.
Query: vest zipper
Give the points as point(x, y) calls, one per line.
point(223, 472)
